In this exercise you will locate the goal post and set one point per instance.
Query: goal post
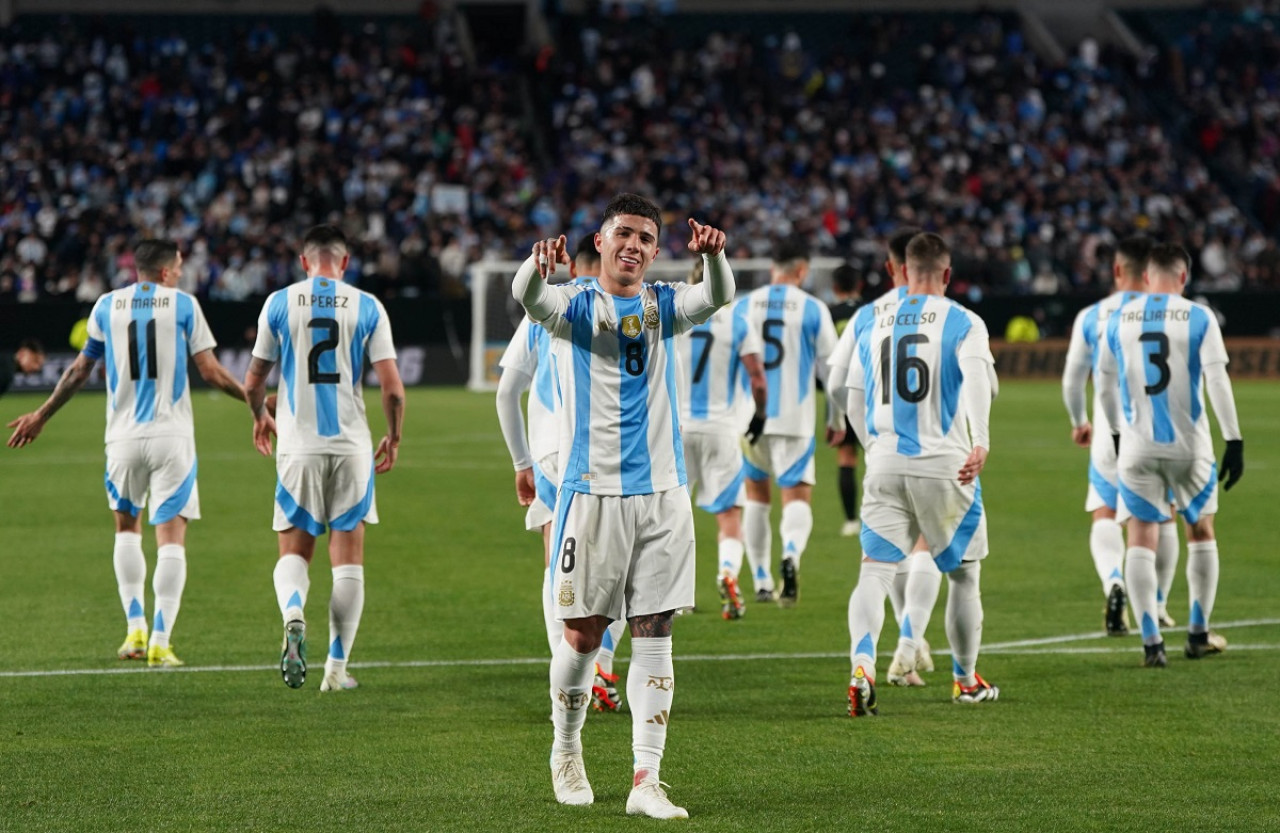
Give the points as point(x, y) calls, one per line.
point(495, 314)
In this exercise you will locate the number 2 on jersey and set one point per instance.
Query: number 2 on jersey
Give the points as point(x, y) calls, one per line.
point(314, 375)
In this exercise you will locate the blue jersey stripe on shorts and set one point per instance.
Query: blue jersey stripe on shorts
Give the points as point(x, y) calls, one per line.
point(1192, 512)
point(142, 331)
point(349, 520)
point(950, 558)
point(326, 361)
point(173, 504)
point(633, 402)
point(1153, 322)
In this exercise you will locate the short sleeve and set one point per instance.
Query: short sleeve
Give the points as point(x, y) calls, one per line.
point(199, 336)
point(267, 346)
point(521, 354)
point(381, 346)
point(1212, 350)
point(750, 345)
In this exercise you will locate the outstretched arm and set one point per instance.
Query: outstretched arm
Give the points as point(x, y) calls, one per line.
point(28, 426)
point(212, 371)
point(718, 286)
point(530, 283)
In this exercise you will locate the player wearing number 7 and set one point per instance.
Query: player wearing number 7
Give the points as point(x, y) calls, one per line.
point(1165, 351)
point(145, 333)
point(321, 331)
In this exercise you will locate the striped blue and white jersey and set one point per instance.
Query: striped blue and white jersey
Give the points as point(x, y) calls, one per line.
point(1159, 346)
point(530, 353)
point(798, 339)
point(617, 367)
point(715, 389)
point(854, 332)
point(321, 331)
point(145, 333)
point(1088, 334)
point(908, 367)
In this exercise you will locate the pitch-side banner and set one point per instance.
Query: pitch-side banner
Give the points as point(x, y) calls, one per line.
point(1251, 358)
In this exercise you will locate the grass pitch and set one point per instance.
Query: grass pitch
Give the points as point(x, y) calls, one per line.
point(449, 729)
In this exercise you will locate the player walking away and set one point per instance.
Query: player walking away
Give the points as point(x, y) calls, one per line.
point(145, 333)
point(846, 286)
point(321, 331)
point(722, 391)
point(1163, 352)
point(921, 398)
point(28, 358)
point(799, 338)
point(623, 537)
point(1106, 541)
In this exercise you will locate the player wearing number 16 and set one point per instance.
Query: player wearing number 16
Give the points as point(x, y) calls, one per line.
point(145, 333)
point(321, 331)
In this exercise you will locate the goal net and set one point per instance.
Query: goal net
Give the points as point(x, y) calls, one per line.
point(495, 314)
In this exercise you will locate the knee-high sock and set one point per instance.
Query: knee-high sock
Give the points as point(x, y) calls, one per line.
point(571, 674)
point(131, 578)
point(650, 687)
point(292, 583)
point(1140, 578)
point(866, 614)
point(1202, 583)
point(849, 492)
point(1167, 562)
point(758, 538)
point(964, 619)
point(923, 582)
point(1106, 543)
point(796, 525)
point(898, 591)
point(555, 628)
point(346, 604)
point(167, 583)
point(609, 645)
point(731, 550)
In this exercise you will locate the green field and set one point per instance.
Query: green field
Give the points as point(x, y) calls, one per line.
point(449, 729)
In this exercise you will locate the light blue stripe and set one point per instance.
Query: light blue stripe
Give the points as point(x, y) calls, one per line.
point(544, 372)
point(1149, 629)
point(93, 348)
point(157, 624)
point(119, 504)
point(871, 378)
point(184, 329)
point(633, 405)
point(169, 510)
point(809, 328)
point(606, 642)
point(102, 316)
point(327, 362)
point(349, 520)
point(667, 322)
point(954, 331)
point(545, 489)
point(877, 548)
point(794, 475)
point(727, 499)
point(580, 316)
point(1113, 344)
point(950, 558)
point(278, 320)
point(335, 649)
point(753, 473)
point(563, 502)
point(773, 375)
point(364, 328)
point(700, 345)
point(739, 379)
point(1161, 421)
point(957, 670)
point(1090, 327)
point(1104, 487)
point(295, 600)
point(866, 646)
point(905, 414)
point(135, 609)
point(1139, 508)
point(1192, 512)
point(1199, 326)
point(297, 516)
point(906, 631)
point(1197, 615)
point(144, 387)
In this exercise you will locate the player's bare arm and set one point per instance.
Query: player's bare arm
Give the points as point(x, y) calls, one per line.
point(212, 371)
point(393, 407)
point(759, 395)
point(28, 426)
point(255, 394)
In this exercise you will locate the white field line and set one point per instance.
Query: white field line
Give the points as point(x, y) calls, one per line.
point(1028, 647)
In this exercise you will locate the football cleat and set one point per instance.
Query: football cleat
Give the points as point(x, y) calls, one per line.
point(649, 799)
point(293, 654)
point(731, 606)
point(135, 646)
point(604, 692)
point(1200, 645)
point(1165, 620)
point(158, 657)
point(924, 656)
point(862, 694)
point(338, 681)
point(1115, 614)
point(763, 595)
point(902, 671)
point(1153, 656)
point(569, 779)
point(790, 584)
point(980, 692)
point(850, 528)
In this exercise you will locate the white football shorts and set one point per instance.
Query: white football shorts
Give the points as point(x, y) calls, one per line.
point(1148, 486)
point(788, 459)
point(163, 468)
point(898, 509)
point(318, 490)
point(1104, 488)
point(617, 556)
point(546, 482)
point(715, 470)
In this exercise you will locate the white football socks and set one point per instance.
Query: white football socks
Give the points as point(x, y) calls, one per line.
point(650, 688)
point(1106, 543)
point(758, 538)
point(1167, 562)
point(609, 645)
point(795, 528)
point(292, 583)
point(731, 551)
point(167, 583)
point(1140, 578)
point(571, 675)
point(866, 613)
point(898, 591)
point(131, 578)
point(964, 620)
point(1202, 583)
point(555, 628)
point(346, 604)
point(924, 579)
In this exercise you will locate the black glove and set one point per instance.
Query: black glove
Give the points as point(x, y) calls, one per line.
point(1232, 464)
point(755, 429)
point(1115, 439)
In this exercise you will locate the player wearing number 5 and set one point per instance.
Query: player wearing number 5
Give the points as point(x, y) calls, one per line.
point(321, 331)
point(1165, 351)
point(145, 333)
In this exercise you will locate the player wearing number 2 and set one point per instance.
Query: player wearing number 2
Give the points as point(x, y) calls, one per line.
point(623, 535)
point(145, 333)
point(321, 331)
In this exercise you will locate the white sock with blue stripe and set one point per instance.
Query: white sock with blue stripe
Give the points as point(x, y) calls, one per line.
point(609, 644)
point(1167, 562)
point(1140, 578)
point(555, 628)
point(131, 578)
point(346, 604)
point(1202, 583)
point(866, 613)
point(964, 620)
point(731, 550)
point(167, 583)
point(1106, 543)
point(796, 526)
point(757, 536)
point(898, 591)
point(292, 583)
point(924, 579)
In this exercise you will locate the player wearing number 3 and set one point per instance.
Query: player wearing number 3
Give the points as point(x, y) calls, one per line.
point(321, 331)
point(622, 541)
point(145, 333)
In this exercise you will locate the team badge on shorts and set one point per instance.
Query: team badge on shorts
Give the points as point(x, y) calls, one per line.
point(651, 317)
point(566, 593)
point(631, 326)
